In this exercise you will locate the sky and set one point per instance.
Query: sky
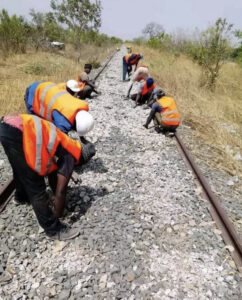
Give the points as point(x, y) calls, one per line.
point(127, 18)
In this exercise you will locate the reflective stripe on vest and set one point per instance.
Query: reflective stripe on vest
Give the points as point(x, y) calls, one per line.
point(51, 144)
point(51, 103)
point(42, 98)
point(169, 112)
point(171, 119)
point(40, 142)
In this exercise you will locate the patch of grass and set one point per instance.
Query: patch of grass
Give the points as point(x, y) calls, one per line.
point(35, 69)
point(20, 70)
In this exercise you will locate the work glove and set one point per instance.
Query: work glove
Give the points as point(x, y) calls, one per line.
point(88, 151)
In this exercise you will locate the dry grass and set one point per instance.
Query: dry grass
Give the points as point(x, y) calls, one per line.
point(216, 118)
point(18, 71)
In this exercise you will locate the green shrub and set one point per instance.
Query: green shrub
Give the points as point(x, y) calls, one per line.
point(13, 33)
point(35, 69)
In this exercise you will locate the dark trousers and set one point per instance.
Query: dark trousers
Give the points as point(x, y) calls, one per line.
point(85, 93)
point(143, 99)
point(30, 186)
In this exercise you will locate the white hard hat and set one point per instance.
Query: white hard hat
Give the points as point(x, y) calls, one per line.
point(84, 122)
point(73, 85)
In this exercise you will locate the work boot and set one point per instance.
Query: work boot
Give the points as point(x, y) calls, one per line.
point(19, 200)
point(66, 233)
point(149, 119)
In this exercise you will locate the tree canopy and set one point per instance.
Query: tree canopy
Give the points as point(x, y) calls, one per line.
point(82, 15)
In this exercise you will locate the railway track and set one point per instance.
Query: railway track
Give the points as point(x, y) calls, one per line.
point(228, 233)
point(230, 236)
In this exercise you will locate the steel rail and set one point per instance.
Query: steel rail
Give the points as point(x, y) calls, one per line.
point(6, 191)
point(218, 213)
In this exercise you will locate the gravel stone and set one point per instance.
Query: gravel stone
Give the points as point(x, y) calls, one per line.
point(146, 232)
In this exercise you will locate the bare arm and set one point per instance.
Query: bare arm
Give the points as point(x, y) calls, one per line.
point(137, 99)
point(60, 194)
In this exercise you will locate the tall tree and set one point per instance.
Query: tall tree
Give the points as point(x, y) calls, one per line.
point(214, 49)
point(82, 15)
point(153, 30)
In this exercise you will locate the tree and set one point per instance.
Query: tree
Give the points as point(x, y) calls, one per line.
point(81, 15)
point(44, 28)
point(153, 30)
point(13, 33)
point(213, 49)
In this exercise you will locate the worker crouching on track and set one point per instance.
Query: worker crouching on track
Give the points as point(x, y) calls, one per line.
point(145, 91)
point(48, 101)
point(130, 60)
point(164, 113)
point(141, 73)
point(36, 148)
point(86, 85)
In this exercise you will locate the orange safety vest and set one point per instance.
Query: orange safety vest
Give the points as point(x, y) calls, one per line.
point(169, 114)
point(62, 86)
point(40, 141)
point(134, 61)
point(81, 84)
point(146, 89)
point(49, 97)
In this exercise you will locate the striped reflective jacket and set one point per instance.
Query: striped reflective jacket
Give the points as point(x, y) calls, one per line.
point(40, 141)
point(147, 89)
point(49, 97)
point(169, 113)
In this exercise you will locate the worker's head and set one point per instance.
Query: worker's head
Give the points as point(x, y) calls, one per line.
point(72, 87)
point(84, 122)
point(87, 68)
point(149, 82)
point(159, 94)
point(141, 56)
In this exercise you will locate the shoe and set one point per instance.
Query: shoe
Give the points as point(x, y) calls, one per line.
point(169, 134)
point(19, 201)
point(158, 129)
point(66, 233)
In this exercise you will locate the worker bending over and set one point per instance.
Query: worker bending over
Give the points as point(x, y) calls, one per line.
point(141, 73)
point(145, 91)
point(130, 60)
point(86, 85)
point(164, 113)
point(47, 101)
point(36, 148)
